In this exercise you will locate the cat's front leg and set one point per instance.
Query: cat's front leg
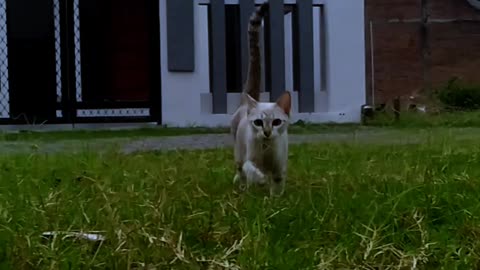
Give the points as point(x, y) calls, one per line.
point(279, 174)
point(239, 177)
point(277, 186)
point(252, 173)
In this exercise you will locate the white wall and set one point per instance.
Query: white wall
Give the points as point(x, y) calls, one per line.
point(186, 99)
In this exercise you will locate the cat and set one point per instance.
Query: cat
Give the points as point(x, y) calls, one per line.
point(260, 129)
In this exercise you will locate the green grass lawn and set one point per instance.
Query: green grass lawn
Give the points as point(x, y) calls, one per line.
point(346, 206)
point(52, 136)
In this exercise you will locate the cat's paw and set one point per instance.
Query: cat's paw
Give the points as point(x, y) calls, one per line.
point(277, 187)
point(253, 174)
point(256, 176)
point(240, 182)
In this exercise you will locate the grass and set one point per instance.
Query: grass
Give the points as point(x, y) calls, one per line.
point(346, 206)
point(49, 136)
point(27, 135)
point(456, 119)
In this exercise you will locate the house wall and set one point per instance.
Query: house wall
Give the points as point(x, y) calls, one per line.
point(186, 97)
point(409, 55)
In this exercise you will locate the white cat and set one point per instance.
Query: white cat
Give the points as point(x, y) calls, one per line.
point(260, 129)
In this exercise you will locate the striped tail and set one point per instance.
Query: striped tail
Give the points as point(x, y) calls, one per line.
point(254, 76)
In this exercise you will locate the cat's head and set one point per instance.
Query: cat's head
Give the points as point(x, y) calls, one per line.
point(269, 120)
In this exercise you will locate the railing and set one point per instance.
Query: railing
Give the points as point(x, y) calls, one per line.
point(55, 63)
point(313, 48)
point(290, 29)
point(56, 66)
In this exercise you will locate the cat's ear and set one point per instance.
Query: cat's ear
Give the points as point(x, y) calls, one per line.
point(285, 102)
point(247, 99)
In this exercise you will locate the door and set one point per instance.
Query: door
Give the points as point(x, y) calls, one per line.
point(31, 61)
point(120, 56)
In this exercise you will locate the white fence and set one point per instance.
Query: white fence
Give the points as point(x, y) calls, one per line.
point(338, 47)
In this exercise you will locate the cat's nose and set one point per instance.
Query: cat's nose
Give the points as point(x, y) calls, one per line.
point(267, 133)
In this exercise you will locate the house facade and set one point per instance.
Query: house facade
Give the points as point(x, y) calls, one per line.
point(175, 62)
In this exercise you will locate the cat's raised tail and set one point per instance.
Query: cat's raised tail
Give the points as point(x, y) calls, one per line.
point(253, 83)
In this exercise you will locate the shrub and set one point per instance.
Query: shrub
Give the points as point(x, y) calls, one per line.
point(460, 96)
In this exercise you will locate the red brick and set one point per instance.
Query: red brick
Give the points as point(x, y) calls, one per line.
point(392, 9)
point(451, 9)
point(454, 52)
point(399, 64)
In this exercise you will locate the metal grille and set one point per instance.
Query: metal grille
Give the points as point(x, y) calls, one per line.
point(100, 111)
point(58, 52)
point(132, 112)
point(4, 87)
point(78, 70)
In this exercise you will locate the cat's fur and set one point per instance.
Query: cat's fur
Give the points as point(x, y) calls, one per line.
point(260, 129)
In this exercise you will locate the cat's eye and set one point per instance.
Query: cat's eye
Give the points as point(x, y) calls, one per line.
point(276, 122)
point(258, 123)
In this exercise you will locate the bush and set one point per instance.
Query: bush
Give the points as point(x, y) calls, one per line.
point(459, 96)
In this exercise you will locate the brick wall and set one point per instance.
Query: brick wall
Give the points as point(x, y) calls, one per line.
point(409, 55)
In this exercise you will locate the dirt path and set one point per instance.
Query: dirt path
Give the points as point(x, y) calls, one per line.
point(129, 145)
point(223, 140)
